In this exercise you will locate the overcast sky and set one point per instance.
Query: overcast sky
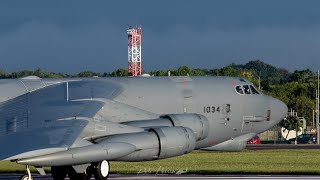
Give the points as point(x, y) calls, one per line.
point(72, 36)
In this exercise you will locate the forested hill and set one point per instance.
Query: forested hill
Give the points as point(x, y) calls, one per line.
point(297, 88)
point(265, 71)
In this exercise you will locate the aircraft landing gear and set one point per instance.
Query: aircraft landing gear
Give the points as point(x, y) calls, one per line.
point(101, 170)
point(59, 172)
point(73, 175)
point(26, 176)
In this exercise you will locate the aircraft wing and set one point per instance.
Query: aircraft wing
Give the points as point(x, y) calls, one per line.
point(56, 136)
point(48, 119)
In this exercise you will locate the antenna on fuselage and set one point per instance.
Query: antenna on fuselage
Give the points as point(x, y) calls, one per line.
point(260, 80)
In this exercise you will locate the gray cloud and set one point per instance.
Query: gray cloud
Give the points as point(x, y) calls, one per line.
point(70, 36)
point(284, 47)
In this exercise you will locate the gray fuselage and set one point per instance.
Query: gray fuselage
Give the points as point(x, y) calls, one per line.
point(33, 103)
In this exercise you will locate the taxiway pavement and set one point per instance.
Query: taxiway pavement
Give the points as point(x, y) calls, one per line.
point(188, 177)
point(281, 146)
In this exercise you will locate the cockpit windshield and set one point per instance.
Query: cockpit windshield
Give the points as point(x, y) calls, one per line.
point(254, 90)
point(246, 89)
point(239, 89)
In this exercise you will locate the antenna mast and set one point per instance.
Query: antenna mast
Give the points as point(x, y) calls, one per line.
point(317, 110)
point(134, 51)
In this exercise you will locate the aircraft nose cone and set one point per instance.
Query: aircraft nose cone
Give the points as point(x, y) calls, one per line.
point(278, 109)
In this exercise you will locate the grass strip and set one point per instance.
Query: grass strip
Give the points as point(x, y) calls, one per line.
point(205, 162)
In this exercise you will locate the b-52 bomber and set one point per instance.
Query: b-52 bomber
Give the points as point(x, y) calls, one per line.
point(77, 126)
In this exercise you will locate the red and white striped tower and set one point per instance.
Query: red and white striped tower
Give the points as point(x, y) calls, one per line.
point(134, 51)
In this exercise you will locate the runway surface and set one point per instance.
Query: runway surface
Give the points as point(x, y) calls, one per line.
point(160, 177)
point(281, 146)
point(202, 177)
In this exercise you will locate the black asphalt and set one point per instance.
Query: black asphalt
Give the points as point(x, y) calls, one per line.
point(191, 177)
point(153, 177)
point(281, 146)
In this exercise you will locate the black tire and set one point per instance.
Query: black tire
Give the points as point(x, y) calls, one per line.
point(73, 175)
point(25, 177)
point(101, 172)
point(89, 171)
point(59, 172)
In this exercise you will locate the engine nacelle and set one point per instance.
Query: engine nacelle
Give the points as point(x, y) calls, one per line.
point(199, 124)
point(156, 143)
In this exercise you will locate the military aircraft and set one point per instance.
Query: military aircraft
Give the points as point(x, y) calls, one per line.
point(77, 126)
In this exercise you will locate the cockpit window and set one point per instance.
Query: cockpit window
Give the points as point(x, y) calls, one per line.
point(242, 80)
point(246, 89)
point(254, 90)
point(239, 89)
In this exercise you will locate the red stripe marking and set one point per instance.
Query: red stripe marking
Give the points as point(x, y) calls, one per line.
point(212, 142)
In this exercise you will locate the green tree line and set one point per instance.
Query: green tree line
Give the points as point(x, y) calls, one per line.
point(296, 89)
